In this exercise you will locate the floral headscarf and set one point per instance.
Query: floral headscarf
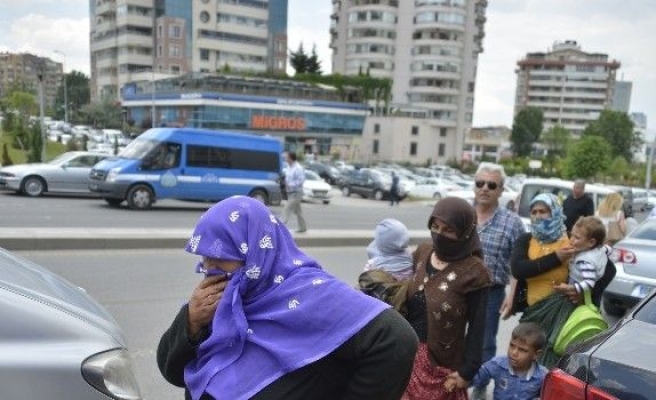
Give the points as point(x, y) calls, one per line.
point(548, 230)
point(279, 312)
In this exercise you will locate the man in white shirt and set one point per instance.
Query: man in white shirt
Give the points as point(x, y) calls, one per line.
point(294, 179)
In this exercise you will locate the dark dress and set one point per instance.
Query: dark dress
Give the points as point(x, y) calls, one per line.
point(378, 354)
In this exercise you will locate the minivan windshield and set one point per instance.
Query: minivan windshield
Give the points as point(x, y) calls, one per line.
point(138, 149)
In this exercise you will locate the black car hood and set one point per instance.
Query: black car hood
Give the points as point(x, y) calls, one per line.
point(624, 365)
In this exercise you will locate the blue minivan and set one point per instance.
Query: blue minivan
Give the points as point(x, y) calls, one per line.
point(190, 164)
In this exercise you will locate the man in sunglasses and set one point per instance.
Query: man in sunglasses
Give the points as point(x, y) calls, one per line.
point(498, 228)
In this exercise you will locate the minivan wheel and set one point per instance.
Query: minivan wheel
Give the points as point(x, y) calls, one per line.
point(140, 197)
point(259, 195)
point(378, 195)
point(33, 186)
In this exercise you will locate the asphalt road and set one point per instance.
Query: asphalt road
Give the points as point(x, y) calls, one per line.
point(89, 212)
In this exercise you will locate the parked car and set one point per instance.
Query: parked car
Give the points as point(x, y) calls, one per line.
point(616, 364)
point(57, 342)
point(370, 183)
point(432, 188)
point(315, 188)
point(68, 173)
point(328, 173)
point(635, 260)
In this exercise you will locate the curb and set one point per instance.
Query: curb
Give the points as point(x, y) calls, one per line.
point(48, 239)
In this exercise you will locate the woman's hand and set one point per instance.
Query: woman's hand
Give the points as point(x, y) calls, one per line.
point(203, 302)
point(506, 306)
point(565, 253)
point(569, 291)
point(459, 382)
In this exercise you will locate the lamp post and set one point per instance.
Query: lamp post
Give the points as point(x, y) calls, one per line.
point(65, 88)
point(152, 97)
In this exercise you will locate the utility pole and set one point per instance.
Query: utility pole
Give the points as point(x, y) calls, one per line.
point(42, 120)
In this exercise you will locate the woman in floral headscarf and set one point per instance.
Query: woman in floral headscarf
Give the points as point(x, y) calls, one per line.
point(539, 262)
point(267, 322)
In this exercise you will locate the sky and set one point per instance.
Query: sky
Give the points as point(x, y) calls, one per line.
point(621, 29)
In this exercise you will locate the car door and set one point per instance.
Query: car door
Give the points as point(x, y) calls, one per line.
point(73, 175)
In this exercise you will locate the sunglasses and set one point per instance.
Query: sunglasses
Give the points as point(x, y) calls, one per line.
point(490, 185)
point(200, 269)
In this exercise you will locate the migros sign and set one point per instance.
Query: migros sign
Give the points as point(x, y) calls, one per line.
point(277, 123)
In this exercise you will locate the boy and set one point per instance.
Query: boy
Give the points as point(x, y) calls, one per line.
point(589, 263)
point(517, 375)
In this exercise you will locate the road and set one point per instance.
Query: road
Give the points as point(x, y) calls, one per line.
point(71, 212)
point(144, 289)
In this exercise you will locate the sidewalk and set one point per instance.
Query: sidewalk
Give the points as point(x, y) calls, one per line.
point(16, 239)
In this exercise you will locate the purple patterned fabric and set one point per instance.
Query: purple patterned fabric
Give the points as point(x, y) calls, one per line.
point(279, 312)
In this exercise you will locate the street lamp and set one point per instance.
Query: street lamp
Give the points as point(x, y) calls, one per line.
point(65, 88)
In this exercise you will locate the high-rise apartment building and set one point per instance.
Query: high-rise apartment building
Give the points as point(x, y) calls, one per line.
point(429, 48)
point(136, 39)
point(23, 70)
point(571, 86)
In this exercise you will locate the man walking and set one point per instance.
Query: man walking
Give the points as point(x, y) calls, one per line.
point(394, 189)
point(294, 179)
point(577, 205)
point(498, 228)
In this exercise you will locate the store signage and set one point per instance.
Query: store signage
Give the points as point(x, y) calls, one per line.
point(277, 123)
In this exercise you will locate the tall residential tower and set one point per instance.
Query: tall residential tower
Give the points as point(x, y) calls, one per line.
point(429, 48)
point(571, 86)
point(133, 39)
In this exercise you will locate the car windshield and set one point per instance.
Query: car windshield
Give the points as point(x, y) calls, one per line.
point(311, 176)
point(646, 231)
point(138, 149)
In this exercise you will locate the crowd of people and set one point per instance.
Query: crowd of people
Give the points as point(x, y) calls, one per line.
point(268, 322)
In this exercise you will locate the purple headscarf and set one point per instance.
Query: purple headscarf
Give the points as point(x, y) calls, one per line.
point(279, 312)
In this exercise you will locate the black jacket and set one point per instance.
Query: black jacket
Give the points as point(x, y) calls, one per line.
point(374, 364)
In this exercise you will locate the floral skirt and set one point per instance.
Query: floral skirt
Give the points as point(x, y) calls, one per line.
point(427, 380)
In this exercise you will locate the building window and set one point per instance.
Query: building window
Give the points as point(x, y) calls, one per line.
point(175, 69)
point(413, 148)
point(374, 148)
point(159, 51)
point(442, 132)
point(204, 54)
point(415, 130)
point(376, 128)
point(441, 150)
point(175, 31)
point(159, 31)
point(174, 51)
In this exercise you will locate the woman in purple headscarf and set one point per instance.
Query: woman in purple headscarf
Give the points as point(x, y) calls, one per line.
point(268, 322)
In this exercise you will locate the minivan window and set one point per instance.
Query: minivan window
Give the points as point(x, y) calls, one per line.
point(218, 157)
point(165, 156)
point(138, 149)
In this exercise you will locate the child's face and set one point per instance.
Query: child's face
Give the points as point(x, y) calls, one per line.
point(580, 240)
point(521, 354)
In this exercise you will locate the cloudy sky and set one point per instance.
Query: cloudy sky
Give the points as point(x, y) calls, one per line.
point(622, 29)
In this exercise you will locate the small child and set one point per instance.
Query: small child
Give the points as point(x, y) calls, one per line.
point(389, 267)
point(517, 375)
point(589, 263)
point(389, 249)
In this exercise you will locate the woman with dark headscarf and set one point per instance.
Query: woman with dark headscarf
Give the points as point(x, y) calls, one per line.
point(446, 303)
point(539, 262)
point(268, 322)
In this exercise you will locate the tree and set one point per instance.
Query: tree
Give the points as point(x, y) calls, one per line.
point(313, 62)
point(299, 60)
point(526, 130)
point(78, 94)
point(617, 128)
point(103, 114)
point(587, 157)
point(555, 139)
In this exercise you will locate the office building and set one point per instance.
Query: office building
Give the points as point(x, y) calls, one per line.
point(21, 71)
point(153, 39)
point(571, 86)
point(621, 100)
point(429, 49)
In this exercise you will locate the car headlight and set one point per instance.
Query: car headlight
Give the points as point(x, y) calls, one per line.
point(113, 173)
point(112, 374)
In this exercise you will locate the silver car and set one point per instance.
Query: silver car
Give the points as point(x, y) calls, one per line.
point(635, 259)
point(68, 173)
point(56, 342)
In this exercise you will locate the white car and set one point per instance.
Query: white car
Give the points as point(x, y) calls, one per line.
point(432, 188)
point(315, 188)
